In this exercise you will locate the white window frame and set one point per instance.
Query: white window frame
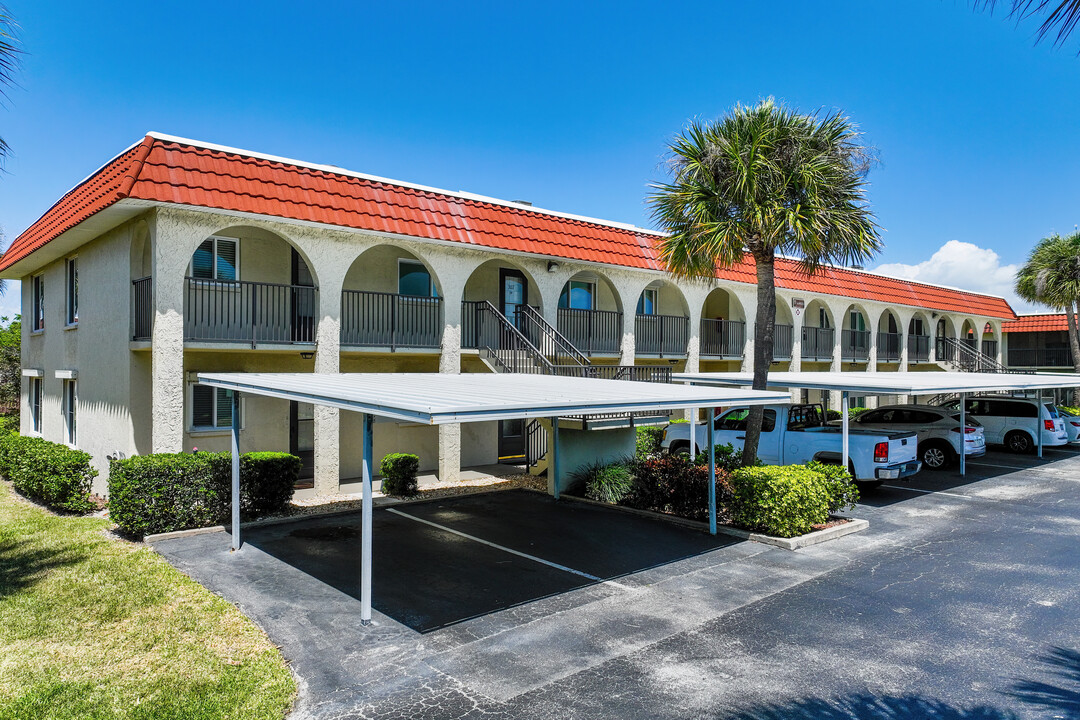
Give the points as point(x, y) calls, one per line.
point(431, 279)
point(823, 318)
point(202, 430)
point(214, 271)
point(36, 398)
point(570, 293)
point(37, 303)
point(70, 409)
point(71, 297)
point(655, 292)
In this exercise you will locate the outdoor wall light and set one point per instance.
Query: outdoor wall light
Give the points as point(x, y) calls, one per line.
point(552, 266)
point(307, 354)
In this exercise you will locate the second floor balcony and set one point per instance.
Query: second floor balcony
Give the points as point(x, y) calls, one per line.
point(854, 345)
point(723, 338)
point(663, 335)
point(817, 344)
point(889, 346)
point(234, 311)
point(392, 321)
point(593, 332)
point(918, 348)
point(1037, 357)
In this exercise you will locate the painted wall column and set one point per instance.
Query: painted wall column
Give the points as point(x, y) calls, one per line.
point(450, 364)
point(628, 347)
point(798, 319)
point(327, 420)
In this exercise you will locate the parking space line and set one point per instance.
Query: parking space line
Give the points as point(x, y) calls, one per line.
point(1015, 467)
point(929, 492)
point(550, 564)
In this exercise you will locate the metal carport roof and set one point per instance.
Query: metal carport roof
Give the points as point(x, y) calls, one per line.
point(438, 398)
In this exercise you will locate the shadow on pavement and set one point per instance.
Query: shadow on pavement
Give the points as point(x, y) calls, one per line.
point(871, 707)
point(1064, 697)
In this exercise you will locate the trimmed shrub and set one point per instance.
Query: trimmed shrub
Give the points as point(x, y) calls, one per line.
point(727, 458)
point(843, 493)
point(609, 484)
point(9, 423)
point(649, 438)
point(399, 474)
point(177, 491)
point(673, 484)
point(783, 501)
point(51, 473)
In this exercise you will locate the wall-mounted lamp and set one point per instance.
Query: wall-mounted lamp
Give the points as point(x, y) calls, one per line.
point(307, 354)
point(673, 361)
point(552, 266)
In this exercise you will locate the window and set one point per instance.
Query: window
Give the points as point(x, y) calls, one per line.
point(216, 259)
point(211, 408)
point(823, 318)
point(578, 295)
point(414, 279)
point(801, 417)
point(646, 304)
point(35, 404)
point(70, 403)
point(915, 327)
point(736, 420)
point(38, 290)
point(72, 305)
point(857, 321)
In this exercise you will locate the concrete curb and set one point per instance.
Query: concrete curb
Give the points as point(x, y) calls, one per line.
point(853, 525)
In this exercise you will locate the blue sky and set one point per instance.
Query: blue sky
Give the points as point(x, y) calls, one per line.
point(568, 104)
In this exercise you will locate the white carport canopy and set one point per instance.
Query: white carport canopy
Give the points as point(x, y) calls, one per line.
point(894, 383)
point(436, 399)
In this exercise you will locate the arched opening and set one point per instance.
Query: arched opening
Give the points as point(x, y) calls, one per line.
point(969, 334)
point(662, 320)
point(918, 339)
point(590, 314)
point(142, 284)
point(249, 285)
point(498, 292)
point(989, 344)
point(783, 330)
point(818, 333)
point(890, 340)
point(391, 299)
point(945, 340)
point(723, 326)
point(855, 335)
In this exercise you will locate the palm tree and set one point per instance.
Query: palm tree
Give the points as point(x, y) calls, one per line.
point(9, 61)
point(1051, 276)
point(1059, 15)
point(762, 181)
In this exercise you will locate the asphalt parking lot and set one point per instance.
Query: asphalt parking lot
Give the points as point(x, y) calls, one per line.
point(960, 601)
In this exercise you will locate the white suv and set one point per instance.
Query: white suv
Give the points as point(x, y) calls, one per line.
point(938, 430)
point(1013, 422)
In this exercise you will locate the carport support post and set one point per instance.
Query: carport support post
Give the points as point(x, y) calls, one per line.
point(365, 533)
point(1040, 423)
point(712, 470)
point(844, 424)
point(556, 474)
point(235, 447)
point(963, 435)
point(693, 433)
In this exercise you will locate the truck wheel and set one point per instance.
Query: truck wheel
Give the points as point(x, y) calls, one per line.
point(678, 448)
point(1019, 442)
point(937, 455)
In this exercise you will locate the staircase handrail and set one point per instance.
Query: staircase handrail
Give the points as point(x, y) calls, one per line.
point(533, 316)
point(972, 359)
point(518, 341)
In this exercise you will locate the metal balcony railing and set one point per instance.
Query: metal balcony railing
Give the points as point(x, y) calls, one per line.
point(142, 308)
point(854, 345)
point(1040, 357)
point(661, 334)
point(990, 348)
point(376, 319)
point(723, 338)
point(918, 348)
point(249, 312)
point(817, 343)
point(889, 346)
point(591, 331)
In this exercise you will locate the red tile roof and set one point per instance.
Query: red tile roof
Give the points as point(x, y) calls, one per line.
point(171, 170)
point(1044, 322)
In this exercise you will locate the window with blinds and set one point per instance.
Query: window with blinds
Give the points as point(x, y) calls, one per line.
point(35, 404)
point(216, 259)
point(211, 408)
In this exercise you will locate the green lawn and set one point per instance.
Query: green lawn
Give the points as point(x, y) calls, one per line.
point(96, 628)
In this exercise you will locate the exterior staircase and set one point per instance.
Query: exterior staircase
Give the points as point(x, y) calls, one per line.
point(960, 356)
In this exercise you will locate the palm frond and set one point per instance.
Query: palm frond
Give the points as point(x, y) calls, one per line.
point(1060, 17)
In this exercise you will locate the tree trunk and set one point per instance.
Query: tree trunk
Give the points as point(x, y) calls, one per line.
point(763, 348)
point(1074, 346)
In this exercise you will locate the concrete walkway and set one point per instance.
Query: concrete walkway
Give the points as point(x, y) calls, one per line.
point(961, 601)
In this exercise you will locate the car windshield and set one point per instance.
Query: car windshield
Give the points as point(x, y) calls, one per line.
point(972, 422)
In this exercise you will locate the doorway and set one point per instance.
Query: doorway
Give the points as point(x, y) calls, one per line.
point(511, 442)
point(302, 439)
point(513, 291)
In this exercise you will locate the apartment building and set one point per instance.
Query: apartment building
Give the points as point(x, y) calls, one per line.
point(197, 258)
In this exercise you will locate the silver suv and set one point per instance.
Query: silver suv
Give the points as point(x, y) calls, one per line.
point(1013, 422)
point(938, 430)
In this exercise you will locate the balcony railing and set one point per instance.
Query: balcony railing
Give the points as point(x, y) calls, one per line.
point(661, 334)
point(889, 346)
point(918, 348)
point(1040, 357)
point(817, 343)
point(591, 331)
point(142, 308)
point(989, 348)
point(376, 319)
point(854, 345)
point(637, 373)
point(723, 338)
point(249, 312)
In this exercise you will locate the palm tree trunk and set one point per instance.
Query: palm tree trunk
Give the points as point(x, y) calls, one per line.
point(763, 348)
point(1074, 346)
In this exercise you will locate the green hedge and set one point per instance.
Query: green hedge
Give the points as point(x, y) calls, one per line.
point(784, 501)
point(9, 423)
point(399, 474)
point(165, 492)
point(649, 438)
point(53, 474)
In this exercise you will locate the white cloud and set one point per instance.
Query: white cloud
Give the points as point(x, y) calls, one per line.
point(965, 266)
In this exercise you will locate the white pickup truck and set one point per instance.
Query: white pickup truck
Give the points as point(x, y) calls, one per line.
point(795, 434)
